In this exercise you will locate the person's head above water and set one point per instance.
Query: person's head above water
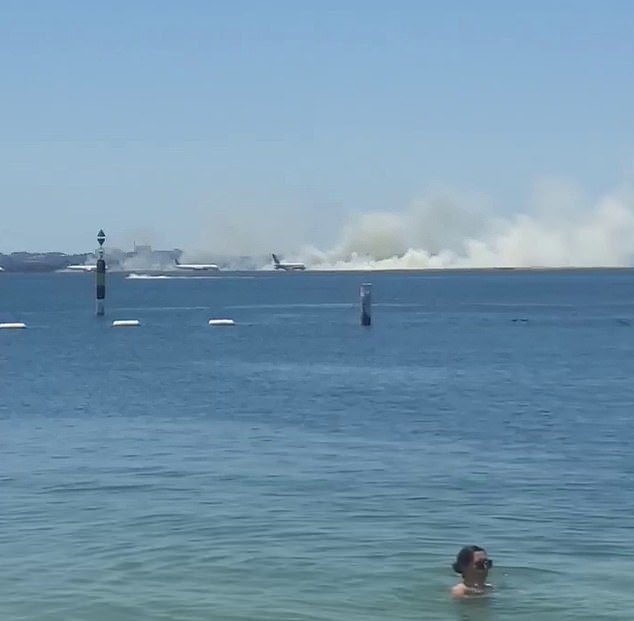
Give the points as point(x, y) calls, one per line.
point(473, 564)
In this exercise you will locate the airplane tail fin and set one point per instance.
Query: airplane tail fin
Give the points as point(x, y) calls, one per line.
point(275, 259)
point(177, 262)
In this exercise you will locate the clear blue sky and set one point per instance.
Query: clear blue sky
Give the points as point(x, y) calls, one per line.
point(179, 122)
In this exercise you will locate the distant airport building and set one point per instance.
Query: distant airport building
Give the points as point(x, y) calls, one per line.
point(144, 257)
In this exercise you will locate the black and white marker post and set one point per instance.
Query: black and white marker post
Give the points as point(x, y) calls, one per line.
point(101, 275)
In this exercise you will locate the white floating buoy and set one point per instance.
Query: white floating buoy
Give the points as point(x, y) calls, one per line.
point(221, 322)
point(12, 326)
point(126, 323)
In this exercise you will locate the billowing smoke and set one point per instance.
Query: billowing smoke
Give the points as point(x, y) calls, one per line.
point(444, 230)
point(559, 227)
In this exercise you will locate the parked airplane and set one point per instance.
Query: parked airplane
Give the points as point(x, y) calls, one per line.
point(81, 268)
point(288, 267)
point(196, 266)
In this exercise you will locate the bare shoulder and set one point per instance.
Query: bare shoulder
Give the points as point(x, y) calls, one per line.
point(458, 591)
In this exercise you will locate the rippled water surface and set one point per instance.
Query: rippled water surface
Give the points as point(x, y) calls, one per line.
point(298, 466)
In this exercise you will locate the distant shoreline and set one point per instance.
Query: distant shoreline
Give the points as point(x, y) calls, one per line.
point(403, 271)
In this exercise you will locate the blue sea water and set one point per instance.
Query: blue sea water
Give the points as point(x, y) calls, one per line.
point(298, 466)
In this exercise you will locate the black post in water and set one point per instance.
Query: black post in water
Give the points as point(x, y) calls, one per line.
point(366, 304)
point(101, 274)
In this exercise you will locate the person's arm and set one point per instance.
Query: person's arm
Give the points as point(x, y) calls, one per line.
point(458, 591)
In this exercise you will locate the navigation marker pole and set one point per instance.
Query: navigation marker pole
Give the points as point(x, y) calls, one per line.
point(366, 304)
point(101, 274)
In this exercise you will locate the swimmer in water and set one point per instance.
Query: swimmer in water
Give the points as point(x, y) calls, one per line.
point(473, 565)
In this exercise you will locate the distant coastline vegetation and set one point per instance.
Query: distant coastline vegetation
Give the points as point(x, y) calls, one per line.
point(40, 261)
point(140, 258)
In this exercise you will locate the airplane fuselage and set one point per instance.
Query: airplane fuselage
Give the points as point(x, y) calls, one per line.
point(199, 267)
point(290, 267)
point(81, 268)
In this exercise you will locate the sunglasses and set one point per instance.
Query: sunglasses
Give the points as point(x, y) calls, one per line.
point(486, 563)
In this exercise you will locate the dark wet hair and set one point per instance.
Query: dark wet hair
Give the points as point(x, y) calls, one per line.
point(464, 558)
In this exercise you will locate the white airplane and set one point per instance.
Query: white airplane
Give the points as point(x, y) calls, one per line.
point(287, 267)
point(81, 268)
point(196, 266)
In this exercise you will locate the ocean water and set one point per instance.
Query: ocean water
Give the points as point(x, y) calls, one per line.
point(298, 466)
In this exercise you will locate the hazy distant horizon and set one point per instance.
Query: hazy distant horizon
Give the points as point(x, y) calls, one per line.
point(338, 134)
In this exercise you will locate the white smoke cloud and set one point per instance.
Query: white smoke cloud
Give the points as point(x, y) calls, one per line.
point(560, 228)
